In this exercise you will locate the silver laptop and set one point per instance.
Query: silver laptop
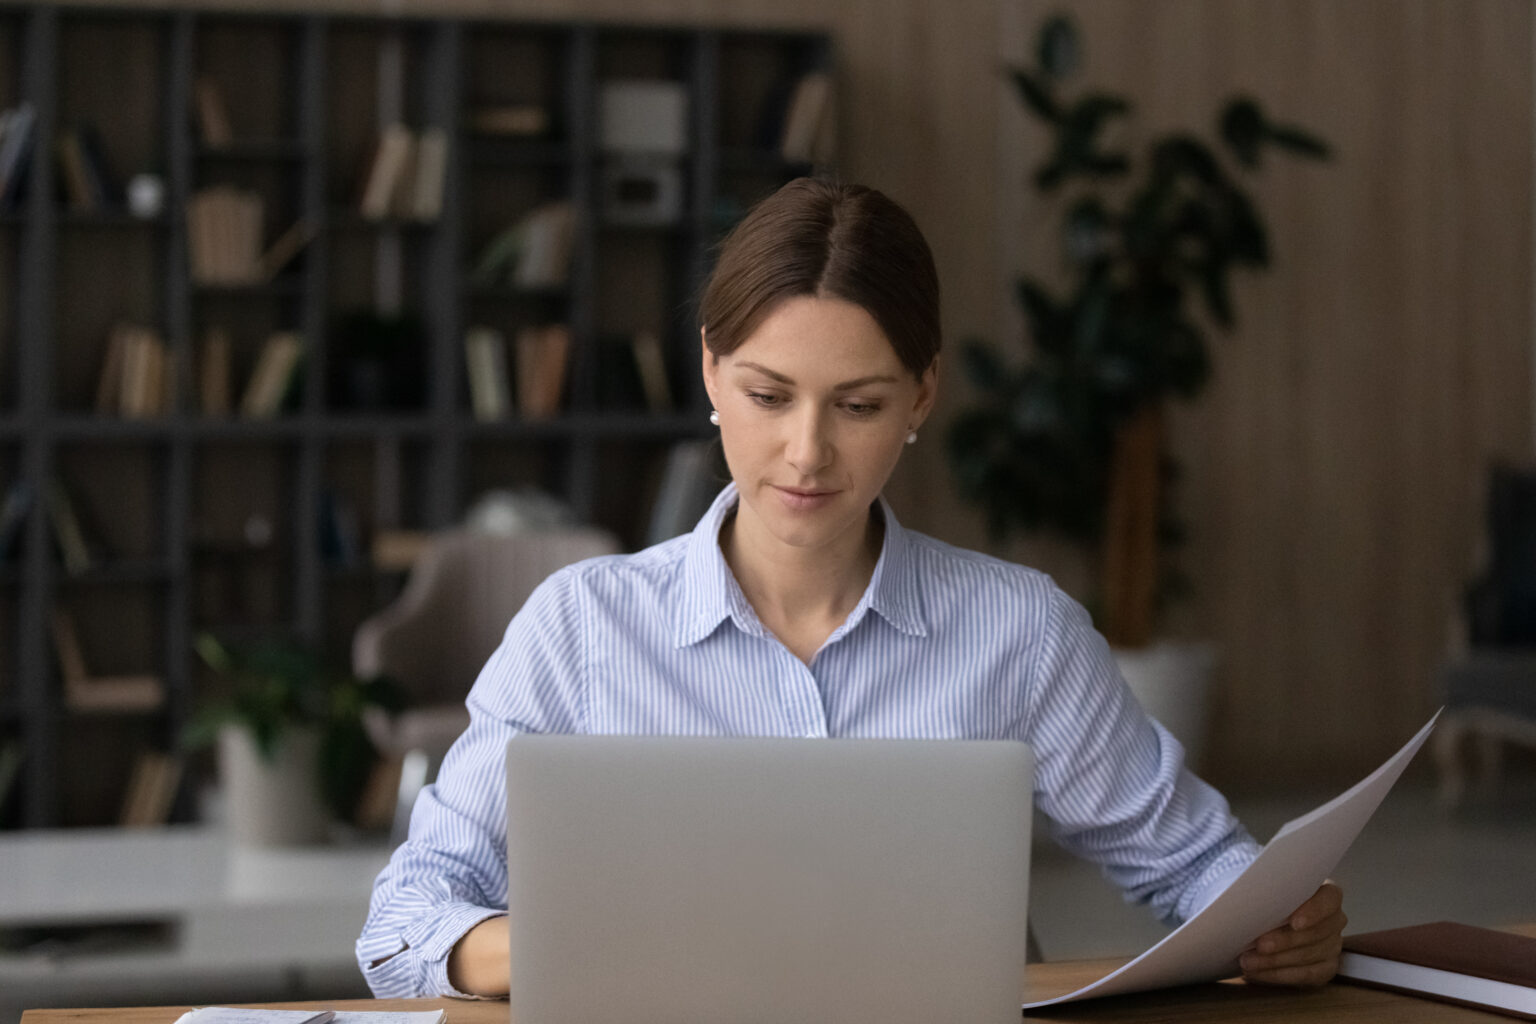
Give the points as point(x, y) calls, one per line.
point(668, 880)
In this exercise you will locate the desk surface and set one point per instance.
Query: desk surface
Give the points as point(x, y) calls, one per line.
point(1225, 1001)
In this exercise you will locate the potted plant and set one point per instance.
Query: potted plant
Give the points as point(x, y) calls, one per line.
point(1070, 438)
point(293, 751)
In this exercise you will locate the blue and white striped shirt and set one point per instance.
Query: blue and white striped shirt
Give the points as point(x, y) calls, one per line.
point(945, 643)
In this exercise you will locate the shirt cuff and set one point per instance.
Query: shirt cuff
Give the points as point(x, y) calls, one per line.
point(433, 939)
point(1221, 873)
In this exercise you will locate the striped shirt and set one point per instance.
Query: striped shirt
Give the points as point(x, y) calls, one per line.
point(944, 643)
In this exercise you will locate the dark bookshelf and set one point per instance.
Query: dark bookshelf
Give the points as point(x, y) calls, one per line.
point(214, 521)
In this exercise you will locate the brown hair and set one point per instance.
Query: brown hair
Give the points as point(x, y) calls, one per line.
point(824, 239)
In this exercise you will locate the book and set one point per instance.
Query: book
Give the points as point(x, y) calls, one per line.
point(88, 178)
point(340, 535)
point(13, 517)
point(284, 249)
point(806, 138)
point(542, 354)
point(270, 381)
point(145, 368)
point(109, 385)
point(545, 260)
point(485, 360)
point(390, 167)
point(652, 365)
point(511, 120)
point(78, 192)
point(1451, 962)
point(431, 174)
point(224, 236)
point(151, 790)
point(16, 141)
point(12, 754)
point(533, 254)
point(75, 550)
point(211, 113)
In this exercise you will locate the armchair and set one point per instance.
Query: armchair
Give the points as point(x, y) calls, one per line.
point(433, 640)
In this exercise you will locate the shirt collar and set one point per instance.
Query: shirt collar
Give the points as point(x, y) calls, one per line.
point(710, 593)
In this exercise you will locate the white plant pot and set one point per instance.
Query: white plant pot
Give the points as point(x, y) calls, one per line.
point(1172, 680)
point(276, 802)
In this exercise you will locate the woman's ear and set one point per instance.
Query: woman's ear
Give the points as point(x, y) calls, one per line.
point(927, 393)
point(709, 364)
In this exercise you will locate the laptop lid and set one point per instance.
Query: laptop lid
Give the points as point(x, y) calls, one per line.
point(660, 880)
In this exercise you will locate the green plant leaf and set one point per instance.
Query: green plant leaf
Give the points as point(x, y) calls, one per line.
point(1086, 231)
point(1057, 49)
point(1037, 96)
point(1299, 141)
point(1247, 237)
point(1243, 127)
point(981, 365)
point(1045, 321)
point(1187, 155)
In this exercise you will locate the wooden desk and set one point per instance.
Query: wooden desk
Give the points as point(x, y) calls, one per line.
point(1227, 1001)
point(1223, 1001)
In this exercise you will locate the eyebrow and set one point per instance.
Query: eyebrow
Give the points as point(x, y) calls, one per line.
point(846, 385)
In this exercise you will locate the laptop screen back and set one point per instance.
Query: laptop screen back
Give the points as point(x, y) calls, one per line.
point(668, 879)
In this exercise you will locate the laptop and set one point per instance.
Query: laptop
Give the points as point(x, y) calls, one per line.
point(667, 880)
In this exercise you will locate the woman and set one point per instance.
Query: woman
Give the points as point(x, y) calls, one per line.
point(799, 606)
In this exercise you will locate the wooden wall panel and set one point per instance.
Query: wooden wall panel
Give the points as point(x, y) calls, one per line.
point(1334, 470)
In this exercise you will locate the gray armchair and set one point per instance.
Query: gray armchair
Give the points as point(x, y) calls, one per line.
point(433, 640)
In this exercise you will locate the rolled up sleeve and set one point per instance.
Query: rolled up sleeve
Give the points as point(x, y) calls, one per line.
point(450, 874)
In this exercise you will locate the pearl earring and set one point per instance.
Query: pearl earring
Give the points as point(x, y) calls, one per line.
point(912, 437)
point(714, 417)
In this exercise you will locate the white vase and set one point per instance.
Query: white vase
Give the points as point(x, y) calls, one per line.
point(273, 802)
point(1172, 680)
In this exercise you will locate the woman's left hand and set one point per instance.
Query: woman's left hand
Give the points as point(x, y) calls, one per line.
point(1305, 950)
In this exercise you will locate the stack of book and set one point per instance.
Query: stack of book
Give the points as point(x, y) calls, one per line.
point(137, 376)
point(224, 227)
point(533, 254)
point(541, 355)
point(406, 177)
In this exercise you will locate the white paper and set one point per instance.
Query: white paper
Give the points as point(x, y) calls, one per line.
point(1287, 871)
point(251, 1015)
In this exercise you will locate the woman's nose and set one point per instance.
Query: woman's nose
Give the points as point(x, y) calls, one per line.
point(808, 448)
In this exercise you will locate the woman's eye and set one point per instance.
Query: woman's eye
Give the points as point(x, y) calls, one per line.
point(763, 398)
point(861, 408)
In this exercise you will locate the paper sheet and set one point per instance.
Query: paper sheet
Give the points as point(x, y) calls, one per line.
point(1287, 871)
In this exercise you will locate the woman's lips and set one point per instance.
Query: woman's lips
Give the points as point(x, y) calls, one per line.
point(803, 500)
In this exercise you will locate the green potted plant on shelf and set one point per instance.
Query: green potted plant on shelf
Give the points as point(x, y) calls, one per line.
point(293, 751)
point(1069, 436)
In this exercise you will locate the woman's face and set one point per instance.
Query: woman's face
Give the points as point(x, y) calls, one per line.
point(814, 409)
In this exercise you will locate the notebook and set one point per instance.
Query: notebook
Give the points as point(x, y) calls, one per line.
point(728, 880)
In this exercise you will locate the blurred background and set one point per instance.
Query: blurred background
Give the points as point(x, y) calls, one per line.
point(299, 299)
